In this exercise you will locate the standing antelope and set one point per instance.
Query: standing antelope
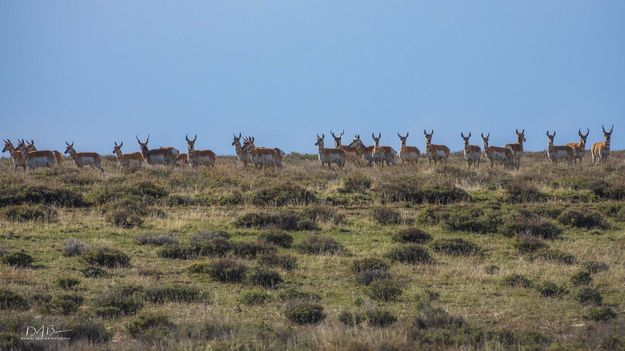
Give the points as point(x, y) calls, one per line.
point(472, 153)
point(163, 155)
point(364, 152)
point(262, 156)
point(408, 154)
point(127, 161)
point(579, 147)
point(36, 159)
point(16, 156)
point(351, 152)
point(84, 158)
point(199, 157)
point(435, 152)
point(601, 150)
point(330, 156)
point(30, 146)
point(383, 154)
point(497, 153)
point(561, 152)
point(517, 148)
point(242, 155)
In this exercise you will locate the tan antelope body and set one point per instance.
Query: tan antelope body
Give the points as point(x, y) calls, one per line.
point(162, 156)
point(383, 154)
point(517, 148)
point(580, 147)
point(262, 156)
point(472, 153)
point(182, 160)
point(199, 157)
point(30, 146)
point(435, 152)
point(351, 152)
point(601, 150)
point(364, 152)
point(242, 155)
point(35, 159)
point(127, 161)
point(16, 156)
point(82, 159)
point(408, 154)
point(503, 155)
point(330, 156)
point(560, 152)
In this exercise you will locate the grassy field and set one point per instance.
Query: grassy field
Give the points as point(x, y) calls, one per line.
point(301, 258)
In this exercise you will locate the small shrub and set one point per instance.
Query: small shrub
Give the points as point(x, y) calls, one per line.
point(386, 215)
point(304, 312)
point(437, 318)
point(581, 278)
point(215, 247)
point(283, 195)
point(517, 280)
point(227, 271)
point(323, 213)
point(523, 192)
point(355, 183)
point(599, 314)
point(491, 269)
point(11, 300)
point(18, 259)
point(411, 253)
point(583, 219)
point(68, 283)
point(276, 238)
point(589, 296)
point(64, 304)
point(151, 327)
point(550, 289)
point(119, 302)
point(527, 244)
point(380, 318)
point(173, 293)
point(26, 213)
point(286, 262)
point(412, 235)
point(541, 228)
point(555, 256)
point(94, 272)
point(594, 267)
point(178, 251)
point(369, 264)
point(471, 220)
point(411, 190)
point(255, 297)
point(41, 194)
point(292, 294)
point(250, 250)
point(289, 221)
point(85, 329)
point(208, 236)
point(124, 219)
point(107, 257)
point(73, 247)
point(385, 290)
point(456, 247)
point(351, 319)
point(320, 245)
point(370, 276)
point(157, 240)
point(265, 278)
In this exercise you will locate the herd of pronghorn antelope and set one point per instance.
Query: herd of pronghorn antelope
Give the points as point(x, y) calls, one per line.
point(25, 154)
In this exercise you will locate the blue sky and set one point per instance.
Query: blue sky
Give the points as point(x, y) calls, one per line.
point(102, 71)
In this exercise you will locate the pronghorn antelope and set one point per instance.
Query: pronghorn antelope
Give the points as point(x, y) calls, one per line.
point(383, 154)
point(330, 156)
point(497, 153)
point(580, 147)
point(601, 150)
point(472, 153)
point(242, 155)
point(561, 152)
point(182, 160)
point(408, 154)
point(163, 155)
point(351, 152)
point(16, 156)
point(127, 161)
point(262, 156)
point(84, 158)
point(30, 146)
point(36, 159)
point(199, 157)
point(364, 152)
point(435, 152)
point(517, 148)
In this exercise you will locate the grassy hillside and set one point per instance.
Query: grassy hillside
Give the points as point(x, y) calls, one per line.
point(308, 258)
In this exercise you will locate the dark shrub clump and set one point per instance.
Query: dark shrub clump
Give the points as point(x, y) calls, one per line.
point(84, 329)
point(355, 183)
point(282, 195)
point(527, 244)
point(542, 228)
point(64, 304)
point(594, 267)
point(581, 278)
point(68, 283)
point(18, 259)
point(410, 190)
point(119, 302)
point(276, 238)
point(265, 278)
point(320, 245)
point(73, 247)
point(583, 219)
point(286, 262)
point(25, 213)
point(386, 215)
point(550, 289)
point(554, 256)
point(255, 297)
point(124, 218)
point(437, 318)
point(523, 192)
point(284, 221)
point(40, 194)
point(412, 235)
point(369, 264)
point(468, 220)
point(384, 290)
point(457, 247)
point(107, 257)
point(380, 318)
point(411, 253)
point(250, 250)
point(368, 277)
point(517, 280)
point(173, 293)
point(227, 271)
point(158, 239)
point(11, 300)
point(304, 312)
point(600, 314)
point(94, 272)
point(351, 319)
point(589, 296)
point(152, 327)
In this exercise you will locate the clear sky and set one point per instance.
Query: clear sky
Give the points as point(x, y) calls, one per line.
point(102, 71)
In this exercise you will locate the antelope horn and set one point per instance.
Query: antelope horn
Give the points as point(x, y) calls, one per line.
point(342, 132)
point(469, 134)
point(602, 127)
point(195, 138)
point(186, 136)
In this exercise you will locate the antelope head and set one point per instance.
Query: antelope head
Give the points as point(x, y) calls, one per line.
point(236, 139)
point(30, 146)
point(70, 148)
point(520, 136)
point(376, 139)
point(550, 137)
point(607, 135)
point(320, 140)
point(465, 138)
point(356, 142)
point(428, 137)
point(248, 143)
point(485, 139)
point(403, 138)
point(582, 136)
point(144, 145)
point(190, 143)
point(118, 148)
point(337, 139)
point(8, 146)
